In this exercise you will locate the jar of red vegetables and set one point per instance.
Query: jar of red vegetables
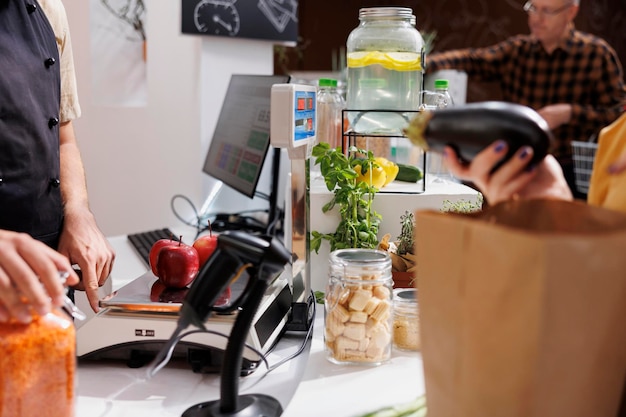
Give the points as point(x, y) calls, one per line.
point(38, 366)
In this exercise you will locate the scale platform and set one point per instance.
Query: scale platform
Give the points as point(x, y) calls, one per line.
point(133, 328)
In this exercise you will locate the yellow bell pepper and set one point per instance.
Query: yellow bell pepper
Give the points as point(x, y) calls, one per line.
point(391, 169)
point(376, 176)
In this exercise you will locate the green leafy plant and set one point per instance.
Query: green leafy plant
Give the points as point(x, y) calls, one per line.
point(319, 297)
point(405, 241)
point(463, 206)
point(358, 226)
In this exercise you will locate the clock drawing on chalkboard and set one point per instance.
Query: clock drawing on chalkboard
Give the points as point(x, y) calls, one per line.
point(275, 20)
point(217, 17)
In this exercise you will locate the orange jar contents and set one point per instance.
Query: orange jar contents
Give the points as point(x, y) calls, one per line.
point(37, 367)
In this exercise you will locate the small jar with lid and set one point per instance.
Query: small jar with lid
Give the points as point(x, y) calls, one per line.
point(358, 307)
point(38, 366)
point(406, 323)
point(385, 54)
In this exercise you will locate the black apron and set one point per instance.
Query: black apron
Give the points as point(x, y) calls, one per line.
point(30, 89)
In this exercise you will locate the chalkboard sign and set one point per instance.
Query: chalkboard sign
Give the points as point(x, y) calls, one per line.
point(255, 19)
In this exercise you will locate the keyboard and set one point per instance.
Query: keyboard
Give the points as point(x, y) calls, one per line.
point(143, 241)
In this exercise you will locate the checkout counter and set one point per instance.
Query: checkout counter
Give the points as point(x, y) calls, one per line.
point(306, 386)
point(306, 383)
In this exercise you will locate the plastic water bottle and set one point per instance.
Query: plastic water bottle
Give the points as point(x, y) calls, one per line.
point(330, 104)
point(435, 163)
point(445, 99)
point(329, 107)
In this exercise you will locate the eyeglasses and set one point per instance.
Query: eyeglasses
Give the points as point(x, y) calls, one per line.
point(530, 8)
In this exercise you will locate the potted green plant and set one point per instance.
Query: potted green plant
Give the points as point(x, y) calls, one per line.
point(403, 261)
point(343, 175)
point(401, 250)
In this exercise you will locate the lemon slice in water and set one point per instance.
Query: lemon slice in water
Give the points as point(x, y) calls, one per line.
point(397, 61)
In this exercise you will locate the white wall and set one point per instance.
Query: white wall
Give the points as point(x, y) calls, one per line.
point(137, 159)
point(220, 58)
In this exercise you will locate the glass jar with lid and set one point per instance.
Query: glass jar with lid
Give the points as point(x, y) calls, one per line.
point(358, 307)
point(385, 70)
point(406, 323)
point(38, 366)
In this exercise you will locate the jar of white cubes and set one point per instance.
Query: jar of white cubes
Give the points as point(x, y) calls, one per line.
point(358, 307)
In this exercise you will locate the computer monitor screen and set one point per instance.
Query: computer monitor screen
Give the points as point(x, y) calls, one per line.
point(242, 133)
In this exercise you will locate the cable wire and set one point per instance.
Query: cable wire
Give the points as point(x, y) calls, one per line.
point(181, 336)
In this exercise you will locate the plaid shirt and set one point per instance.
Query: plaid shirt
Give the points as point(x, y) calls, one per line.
point(583, 71)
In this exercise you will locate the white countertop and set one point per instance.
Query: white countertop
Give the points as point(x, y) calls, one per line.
point(309, 385)
point(327, 389)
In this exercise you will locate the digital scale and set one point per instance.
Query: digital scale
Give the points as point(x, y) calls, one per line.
point(133, 328)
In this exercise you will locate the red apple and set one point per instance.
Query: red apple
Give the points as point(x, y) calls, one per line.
point(206, 245)
point(156, 248)
point(177, 265)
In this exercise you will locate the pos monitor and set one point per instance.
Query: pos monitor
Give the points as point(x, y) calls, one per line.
point(241, 138)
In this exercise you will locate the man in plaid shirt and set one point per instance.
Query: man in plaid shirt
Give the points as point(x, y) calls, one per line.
point(573, 79)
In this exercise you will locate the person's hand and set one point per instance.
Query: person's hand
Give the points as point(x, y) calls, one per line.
point(619, 165)
point(514, 179)
point(29, 277)
point(556, 114)
point(85, 245)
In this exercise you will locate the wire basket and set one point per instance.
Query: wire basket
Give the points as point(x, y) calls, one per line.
point(584, 154)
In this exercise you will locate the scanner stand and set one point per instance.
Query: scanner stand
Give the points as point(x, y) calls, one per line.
point(231, 404)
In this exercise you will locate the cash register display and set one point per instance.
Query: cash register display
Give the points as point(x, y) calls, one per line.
point(242, 135)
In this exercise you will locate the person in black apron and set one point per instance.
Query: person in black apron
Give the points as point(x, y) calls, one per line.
point(32, 195)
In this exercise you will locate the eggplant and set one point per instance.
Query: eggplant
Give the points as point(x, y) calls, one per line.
point(470, 128)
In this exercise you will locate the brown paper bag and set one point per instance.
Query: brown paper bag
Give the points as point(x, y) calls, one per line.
point(523, 310)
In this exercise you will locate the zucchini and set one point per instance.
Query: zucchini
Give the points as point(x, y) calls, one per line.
point(409, 173)
point(469, 128)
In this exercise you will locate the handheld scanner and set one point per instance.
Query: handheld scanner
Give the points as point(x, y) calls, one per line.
point(235, 249)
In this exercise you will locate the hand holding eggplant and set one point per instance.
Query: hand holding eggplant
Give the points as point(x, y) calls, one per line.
point(470, 128)
point(513, 179)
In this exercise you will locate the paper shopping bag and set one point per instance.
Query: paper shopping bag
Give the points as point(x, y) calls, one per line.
point(523, 310)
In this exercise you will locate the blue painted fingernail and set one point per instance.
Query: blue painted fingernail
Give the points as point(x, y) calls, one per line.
point(524, 153)
point(499, 146)
point(445, 153)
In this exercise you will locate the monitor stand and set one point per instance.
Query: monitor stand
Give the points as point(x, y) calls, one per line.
point(274, 216)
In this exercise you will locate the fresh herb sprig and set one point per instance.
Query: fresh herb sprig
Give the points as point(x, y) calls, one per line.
point(463, 206)
point(405, 240)
point(358, 227)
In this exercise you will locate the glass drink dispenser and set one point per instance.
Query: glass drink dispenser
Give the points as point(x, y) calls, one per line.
point(385, 70)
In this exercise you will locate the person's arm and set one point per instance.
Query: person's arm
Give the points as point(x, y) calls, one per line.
point(608, 81)
point(81, 239)
point(29, 277)
point(514, 179)
point(485, 63)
